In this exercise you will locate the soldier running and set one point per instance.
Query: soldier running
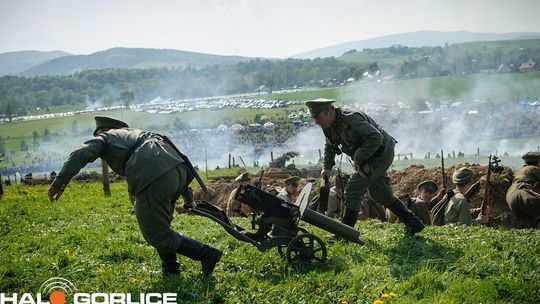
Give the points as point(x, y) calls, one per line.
point(156, 175)
point(372, 151)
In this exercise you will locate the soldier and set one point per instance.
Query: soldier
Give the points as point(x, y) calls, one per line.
point(523, 196)
point(335, 196)
point(457, 209)
point(156, 175)
point(422, 204)
point(234, 207)
point(372, 151)
point(290, 190)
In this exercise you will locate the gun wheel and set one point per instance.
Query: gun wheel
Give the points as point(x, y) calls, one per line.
point(305, 248)
point(282, 248)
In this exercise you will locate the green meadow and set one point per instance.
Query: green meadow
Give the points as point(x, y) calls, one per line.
point(94, 242)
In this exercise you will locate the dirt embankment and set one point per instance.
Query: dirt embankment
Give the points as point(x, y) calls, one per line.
point(403, 181)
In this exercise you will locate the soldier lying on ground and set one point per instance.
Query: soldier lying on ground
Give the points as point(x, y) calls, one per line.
point(455, 205)
point(156, 175)
point(234, 207)
point(523, 196)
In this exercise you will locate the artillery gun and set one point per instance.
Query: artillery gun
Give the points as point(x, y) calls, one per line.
point(278, 224)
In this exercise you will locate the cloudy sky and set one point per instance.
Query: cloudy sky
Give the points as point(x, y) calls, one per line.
point(267, 28)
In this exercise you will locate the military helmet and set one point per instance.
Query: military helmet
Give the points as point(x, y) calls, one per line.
point(108, 122)
point(428, 186)
point(293, 180)
point(531, 157)
point(244, 177)
point(462, 176)
point(316, 106)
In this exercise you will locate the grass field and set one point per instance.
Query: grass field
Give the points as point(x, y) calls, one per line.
point(94, 242)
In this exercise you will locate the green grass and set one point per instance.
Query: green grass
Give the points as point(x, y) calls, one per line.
point(496, 87)
point(94, 242)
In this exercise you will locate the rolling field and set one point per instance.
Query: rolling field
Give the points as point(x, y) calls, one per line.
point(94, 242)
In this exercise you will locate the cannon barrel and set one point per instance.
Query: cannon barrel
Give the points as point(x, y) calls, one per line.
point(333, 226)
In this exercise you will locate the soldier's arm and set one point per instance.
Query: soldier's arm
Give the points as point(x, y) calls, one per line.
point(88, 152)
point(329, 155)
point(369, 138)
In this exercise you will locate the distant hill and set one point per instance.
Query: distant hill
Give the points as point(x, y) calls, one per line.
point(413, 39)
point(129, 58)
point(13, 63)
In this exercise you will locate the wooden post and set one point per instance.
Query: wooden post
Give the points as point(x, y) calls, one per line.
point(428, 155)
point(478, 152)
point(320, 155)
point(271, 156)
point(206, 163)
point(243, 163)
point(411, 155)
point(453, 154)
point(105, 177)
point(229, 160)
point(233, 162)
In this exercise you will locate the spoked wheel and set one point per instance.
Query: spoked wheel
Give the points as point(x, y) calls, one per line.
point(305, 248)
point(282, 248)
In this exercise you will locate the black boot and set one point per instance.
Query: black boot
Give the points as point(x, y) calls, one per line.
point(207, 255)
point(349, 217)
point(169, 265)
point(413, 223)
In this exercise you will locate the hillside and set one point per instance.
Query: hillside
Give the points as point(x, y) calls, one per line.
point(12, 63)
point(127, 58)
point(413, 39)
point(94, 242)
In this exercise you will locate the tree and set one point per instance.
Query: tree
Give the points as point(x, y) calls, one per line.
point(127, 97)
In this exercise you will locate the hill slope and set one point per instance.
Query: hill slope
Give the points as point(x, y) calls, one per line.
point(96, 245)
point(129, 58)
point(413, 39)
point(12, 63)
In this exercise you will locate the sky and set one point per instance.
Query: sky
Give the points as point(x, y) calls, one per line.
point(257, 28)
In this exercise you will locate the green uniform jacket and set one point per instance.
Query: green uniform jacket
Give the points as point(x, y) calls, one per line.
point(150, 159)
point(357, 135)
point(527, 177)
point(458, 210)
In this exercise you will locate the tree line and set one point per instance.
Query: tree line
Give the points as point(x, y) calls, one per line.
point(106, 87)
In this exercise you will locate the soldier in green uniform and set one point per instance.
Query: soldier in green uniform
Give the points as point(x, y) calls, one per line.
point(156, 175)
point(523, 196)
point(290, 190)
point(457, 210)
point(372, 151)
point(421, 204)
point(234, 207)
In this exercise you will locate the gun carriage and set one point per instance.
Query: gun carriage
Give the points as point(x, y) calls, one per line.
point(278, 224)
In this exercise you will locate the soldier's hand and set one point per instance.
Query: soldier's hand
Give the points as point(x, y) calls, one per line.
point(54, 193)
point(483, 218)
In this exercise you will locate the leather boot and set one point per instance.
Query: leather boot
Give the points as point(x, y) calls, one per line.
point(207, 255)
point(413, 223)
point(349, 217)
point(169, 265)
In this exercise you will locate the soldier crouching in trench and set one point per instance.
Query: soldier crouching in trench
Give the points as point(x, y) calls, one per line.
point(372, 150)
point(156, 175)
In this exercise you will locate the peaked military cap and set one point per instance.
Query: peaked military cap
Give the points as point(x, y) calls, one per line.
point(109, 122)
point(531, 157)
point(462, 175)
point(243, 177)
point(293, 180)
point(428, 186)
point(316, 106)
